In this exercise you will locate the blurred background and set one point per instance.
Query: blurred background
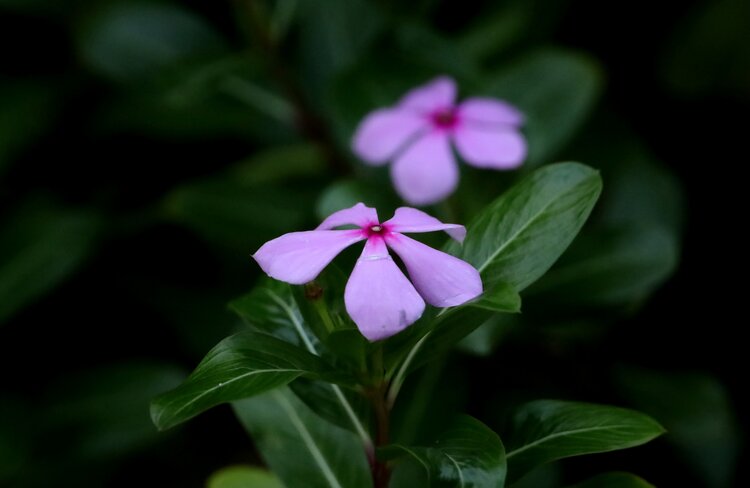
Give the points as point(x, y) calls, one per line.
point(147, 148)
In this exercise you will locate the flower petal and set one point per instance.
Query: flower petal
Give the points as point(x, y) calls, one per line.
point(299, 257)
point(498, 149)
point(426, 172)
point(407, 219)
point(442, 280)
point(378, 297)
point(359, 215)
point(384, 132)
point(437, 94)
point(489, 112)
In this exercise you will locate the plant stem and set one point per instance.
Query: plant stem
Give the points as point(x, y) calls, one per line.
point(380, 471)
point(310, 124)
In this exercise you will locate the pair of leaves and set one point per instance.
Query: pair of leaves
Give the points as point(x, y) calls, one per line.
point(470, 454)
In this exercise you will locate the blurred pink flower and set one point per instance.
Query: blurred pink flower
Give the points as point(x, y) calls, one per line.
point(417, 134)
point(378, 297)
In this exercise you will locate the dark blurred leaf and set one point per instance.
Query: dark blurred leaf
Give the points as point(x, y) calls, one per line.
point(300, 447)
point(238, 216)
point(347, 193)
point(708, 52)
point(426, 48)
point(15, 437)
point(41, 246)
point(697, 412)
point(240, 366)
point(467, 454)
point(103, 413)
point(334, 34)
point(521, 234)
point(544, 476)
point(280, 163)
point(614, 480)
point(485, 338)
point(607, 267)
point(556, 89)
point(134, 40)
point(26, 110)
point(243, 477)
point(547, 430)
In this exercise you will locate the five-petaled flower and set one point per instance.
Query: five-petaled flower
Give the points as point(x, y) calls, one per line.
point(416, 134)
point(378, 297)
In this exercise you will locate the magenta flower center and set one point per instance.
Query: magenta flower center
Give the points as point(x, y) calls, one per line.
point(375, 230)
point(445, 118)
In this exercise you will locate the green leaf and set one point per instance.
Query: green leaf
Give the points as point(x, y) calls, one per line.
point(614, 480)
point(41, 246)
point(347, 193)
point(107, 410)
point(556, 89)
point(243, 477)
point(26, 111)
point(326, 402)
point(15, 437)
point(240, 366)
point(697, 412)
point(547, 430)
point(300, 447)
point(520, 235)
point(467, 454)
point(134, 40)
point(278, 164)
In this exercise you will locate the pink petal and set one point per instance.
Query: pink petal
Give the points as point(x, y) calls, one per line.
point(408, 219)
point(438, 94)
point(489, 112)
point(384, 132)
point(378, 297)
point(484, 148)
point(359, 215)
point(426, 172)
point(299, 257)
point(442, 280)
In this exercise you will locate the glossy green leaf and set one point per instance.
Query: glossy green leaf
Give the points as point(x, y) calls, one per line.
point(468, 454)
point(42, 246)
point(696, 410)
point(243, 477)
point(326, 402)
point(614, 480)
point(520, 235)
point(240, 366)
point(128, 41)
point(556, 89)
point(547, 430)
point(301, 448)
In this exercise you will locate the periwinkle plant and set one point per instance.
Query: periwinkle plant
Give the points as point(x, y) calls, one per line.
point(319, 370)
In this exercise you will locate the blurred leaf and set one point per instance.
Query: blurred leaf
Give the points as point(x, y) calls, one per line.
point(238, 216)
point(135, 40)
point(520, 235)
point(240, 366)
point(42, 246)
point(280, 163)
point(607, 267)
point(15, 437)
point(103, 413)
point(347, 193)
point(425, 47)
point(547, 430)
point(556, 89)
point(708, 52)
point(697, 412)
point(243, 477)
point(26, 110)
point(614, 480)
point(334, 34)
point(300, 447)
point(485, 338)
point(544, 476)
point(467, 454)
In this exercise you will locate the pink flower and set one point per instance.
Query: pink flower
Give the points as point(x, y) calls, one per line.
point(378, 297)
point(417, 134)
